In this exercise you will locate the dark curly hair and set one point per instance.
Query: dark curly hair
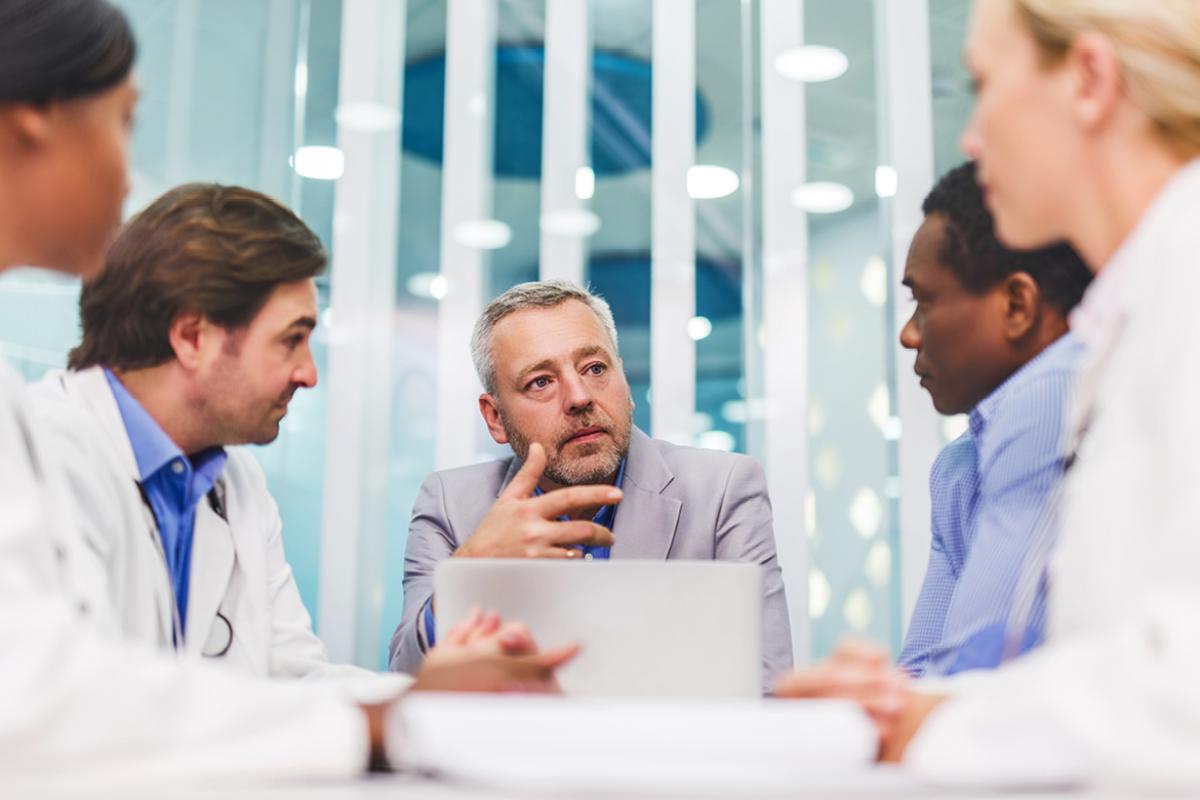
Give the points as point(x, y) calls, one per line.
point(978, 259)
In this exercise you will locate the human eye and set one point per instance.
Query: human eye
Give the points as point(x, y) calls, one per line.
point(540, 382)
point(597, 368)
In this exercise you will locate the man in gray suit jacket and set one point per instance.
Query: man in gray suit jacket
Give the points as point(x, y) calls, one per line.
point(547, 356)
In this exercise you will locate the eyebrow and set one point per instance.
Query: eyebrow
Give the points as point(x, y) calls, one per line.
point(546, 363)
point(302, 322)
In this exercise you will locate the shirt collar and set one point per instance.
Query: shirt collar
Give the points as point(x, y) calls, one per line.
point(152, 448)
point(1062, 351)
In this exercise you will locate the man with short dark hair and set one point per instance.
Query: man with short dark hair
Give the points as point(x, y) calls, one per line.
point(990, 333)
point(195, 338)
point(583, 482)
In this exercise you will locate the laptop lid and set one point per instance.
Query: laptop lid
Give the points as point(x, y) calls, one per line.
point(673, 629)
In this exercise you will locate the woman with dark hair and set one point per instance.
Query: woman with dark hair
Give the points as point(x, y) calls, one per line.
point(71, 691)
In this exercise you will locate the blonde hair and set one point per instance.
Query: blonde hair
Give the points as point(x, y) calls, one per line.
point(1157, 43)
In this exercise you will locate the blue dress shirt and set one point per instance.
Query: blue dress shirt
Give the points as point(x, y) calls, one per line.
point(171, 483)
point(989, 488)
point(606, 516)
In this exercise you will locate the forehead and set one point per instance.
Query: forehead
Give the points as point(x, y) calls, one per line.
point(924, 265)
point(993, 23)
point(536, 334)
point(288, 301)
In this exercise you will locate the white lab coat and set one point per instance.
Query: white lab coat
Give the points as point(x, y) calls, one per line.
point(74, 696)
point(1113, 695)
point(238, 564)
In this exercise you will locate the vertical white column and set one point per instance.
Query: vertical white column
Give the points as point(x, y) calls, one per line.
point(785, 308)
point(466, 201)
point(564, 140)
point(281, 118)
point(907, 97)
point(673, 223)
point(362, 296)
point(179, 104)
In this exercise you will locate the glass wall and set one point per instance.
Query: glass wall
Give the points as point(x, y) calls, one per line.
point(530, 141)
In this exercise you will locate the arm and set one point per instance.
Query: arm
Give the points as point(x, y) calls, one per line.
point(952, 484)
point(745, 533)
point(430, 540)
point(1016, 482)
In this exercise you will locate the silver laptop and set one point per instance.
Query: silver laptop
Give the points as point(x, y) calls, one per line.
point(666, 629)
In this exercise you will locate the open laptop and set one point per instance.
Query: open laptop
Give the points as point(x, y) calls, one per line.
point(673, 629)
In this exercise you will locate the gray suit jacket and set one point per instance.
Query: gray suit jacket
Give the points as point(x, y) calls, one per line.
point(680, 503)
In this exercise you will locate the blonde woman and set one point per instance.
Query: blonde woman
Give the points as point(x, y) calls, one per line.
point(1086, 128)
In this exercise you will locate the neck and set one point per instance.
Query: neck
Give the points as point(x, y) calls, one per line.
point(1117, 194)
point(162, 391)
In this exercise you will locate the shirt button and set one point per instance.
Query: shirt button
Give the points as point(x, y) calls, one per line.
point(177, 467)
point(587, 556)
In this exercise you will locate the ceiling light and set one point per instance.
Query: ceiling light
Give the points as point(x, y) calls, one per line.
point(427, 284)
point(811, 63)
point(367, 117)
point(822, 197)
point(585, 183)
point(483, 234)
point(699, 328)
point(886, 181)
point(318, 162)
point(707, 181)
point(577, 222)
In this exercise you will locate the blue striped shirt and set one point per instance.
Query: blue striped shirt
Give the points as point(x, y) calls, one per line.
point(988, 489)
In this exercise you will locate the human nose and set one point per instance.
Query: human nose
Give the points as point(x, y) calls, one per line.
point(910, 334)
point(576, 394)
point(306, 374)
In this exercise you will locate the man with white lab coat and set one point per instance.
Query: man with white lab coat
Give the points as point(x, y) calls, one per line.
point(195, 338)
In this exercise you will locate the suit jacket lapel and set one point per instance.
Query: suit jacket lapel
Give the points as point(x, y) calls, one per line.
point(646, 519)
point(212, 568)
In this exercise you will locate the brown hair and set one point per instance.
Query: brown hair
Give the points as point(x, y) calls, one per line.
point(215, 250)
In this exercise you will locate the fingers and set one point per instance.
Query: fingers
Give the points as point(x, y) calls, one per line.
point(458, 634)
point(853, 650)
point(579, 532)
point(487, 625)
point(557, 657)
point(516, 640)
point(574, 498)
point(526, 479)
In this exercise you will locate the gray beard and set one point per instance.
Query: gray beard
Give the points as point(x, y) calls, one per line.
point(574, 473)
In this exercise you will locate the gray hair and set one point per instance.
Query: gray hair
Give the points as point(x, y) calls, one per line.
point(535, 294)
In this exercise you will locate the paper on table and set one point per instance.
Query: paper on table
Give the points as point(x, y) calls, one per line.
point(587, 745)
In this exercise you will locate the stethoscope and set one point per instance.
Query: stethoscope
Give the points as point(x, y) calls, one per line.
point(222, 644)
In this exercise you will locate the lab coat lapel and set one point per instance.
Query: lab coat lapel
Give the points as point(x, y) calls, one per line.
point(213, 556)
point(646, 519)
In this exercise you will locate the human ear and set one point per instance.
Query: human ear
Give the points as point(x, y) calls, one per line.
point(1022, 301)
point(489, 409)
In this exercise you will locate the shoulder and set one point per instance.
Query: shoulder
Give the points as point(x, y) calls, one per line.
point(710, 470)
point(956, 461)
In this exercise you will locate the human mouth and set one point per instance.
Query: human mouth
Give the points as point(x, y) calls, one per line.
point(583, 435)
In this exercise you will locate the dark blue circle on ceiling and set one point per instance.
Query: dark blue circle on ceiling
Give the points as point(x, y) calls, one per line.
point(621, 104)
point(624, 281)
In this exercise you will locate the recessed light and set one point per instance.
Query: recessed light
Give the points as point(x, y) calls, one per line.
point(427, 284)
point(319, 162)
point(811, 63)
point(822, 197)
point(367, 117)
point(708, 181)
point(483, 234)
point(886, 181)
point(699, 328)
point(585, 183)
point(578, 222)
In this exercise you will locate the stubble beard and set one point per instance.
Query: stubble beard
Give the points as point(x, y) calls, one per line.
point(592, 463)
